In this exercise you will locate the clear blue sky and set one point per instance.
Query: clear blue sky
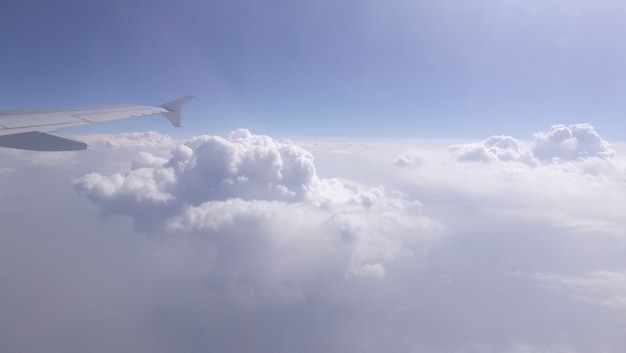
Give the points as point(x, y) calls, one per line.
point(327, 67)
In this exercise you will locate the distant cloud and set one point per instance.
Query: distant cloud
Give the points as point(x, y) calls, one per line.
point(576, 147)
point(604, 287)
point(132, 139)
point(577, 141)
point(408, 161)
point(495, 148)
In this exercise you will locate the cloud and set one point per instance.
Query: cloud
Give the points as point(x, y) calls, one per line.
point(408, 161)
point(604, 287)
point(577, 141)
point(248, 242)
point(258, 199)
point(206, 168)
point(148, 139)
point(495, 148)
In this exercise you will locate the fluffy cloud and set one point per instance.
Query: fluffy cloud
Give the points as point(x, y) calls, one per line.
point(495, 148)
point(577, 141)
point(254, 244)
point(561, 144)
point(261, 200)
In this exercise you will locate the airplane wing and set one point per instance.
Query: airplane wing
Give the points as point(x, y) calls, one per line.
point(31, 129)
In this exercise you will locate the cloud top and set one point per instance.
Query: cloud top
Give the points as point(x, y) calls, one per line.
point(561, 143)
point(577, 141)
point(242, 166)
point(495, 148)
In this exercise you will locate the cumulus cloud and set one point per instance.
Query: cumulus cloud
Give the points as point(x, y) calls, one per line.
point(260, 244)
point(261, 200)
point(495, 148)
point(561, 144)
point(577, 141)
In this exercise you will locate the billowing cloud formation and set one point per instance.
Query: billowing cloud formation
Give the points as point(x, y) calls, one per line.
point(495, 148)
point(261, 200)
point(242, 166)
point(254, 245)
point(571, 142)
point(578, 143)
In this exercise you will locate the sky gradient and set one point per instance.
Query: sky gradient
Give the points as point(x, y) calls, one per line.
point(318, 68)
point(352, 176)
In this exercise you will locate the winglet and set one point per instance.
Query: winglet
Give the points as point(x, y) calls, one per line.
point(173, 109)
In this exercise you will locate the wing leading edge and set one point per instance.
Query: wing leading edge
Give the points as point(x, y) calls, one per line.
point(30, 129)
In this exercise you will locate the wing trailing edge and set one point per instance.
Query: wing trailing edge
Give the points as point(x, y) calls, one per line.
point(30, 129)
point(39, 141)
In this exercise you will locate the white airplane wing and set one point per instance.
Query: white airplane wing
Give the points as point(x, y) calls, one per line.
point(30, 129)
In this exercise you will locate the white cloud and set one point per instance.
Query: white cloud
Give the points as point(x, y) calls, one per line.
point(253, 191)
point(148, 139)
point(495, 148)
point(577, 144)
point(604, 287)
point(242, 165)
point(409, 161)
point(577, 141)
point(255, 243)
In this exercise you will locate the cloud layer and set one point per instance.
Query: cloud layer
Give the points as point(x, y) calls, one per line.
point(247, 242)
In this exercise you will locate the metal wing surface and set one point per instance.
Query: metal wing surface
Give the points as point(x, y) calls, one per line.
point(30, 128)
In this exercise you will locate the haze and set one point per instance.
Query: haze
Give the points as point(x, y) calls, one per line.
point(352, 176)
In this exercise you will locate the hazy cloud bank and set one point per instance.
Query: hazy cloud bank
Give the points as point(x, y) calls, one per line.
point(246, 242)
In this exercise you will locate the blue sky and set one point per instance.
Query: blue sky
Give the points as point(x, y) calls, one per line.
point(326, 68)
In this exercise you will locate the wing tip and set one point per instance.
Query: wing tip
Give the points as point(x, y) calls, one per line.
point(174, 108)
